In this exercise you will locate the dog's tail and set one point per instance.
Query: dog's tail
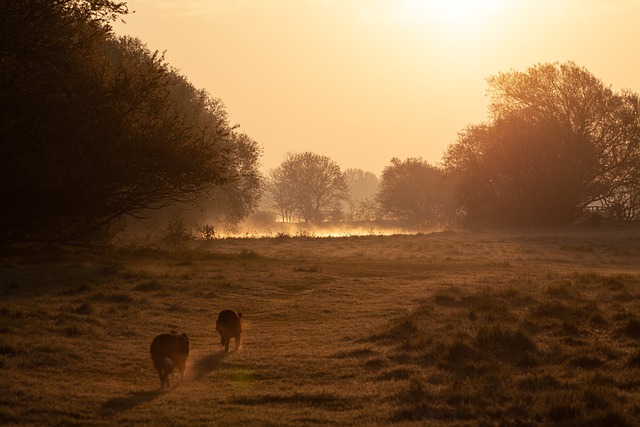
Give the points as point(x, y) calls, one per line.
point(168, 364)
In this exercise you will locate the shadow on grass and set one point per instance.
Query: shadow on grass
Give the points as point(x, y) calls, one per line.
point(122, 404)
point(207, 364)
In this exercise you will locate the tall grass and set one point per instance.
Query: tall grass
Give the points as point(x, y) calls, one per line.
point(546, 362)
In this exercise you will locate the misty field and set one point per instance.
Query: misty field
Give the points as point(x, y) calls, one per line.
point(453, 328)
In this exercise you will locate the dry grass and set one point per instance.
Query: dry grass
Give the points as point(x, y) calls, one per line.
point(527, 328)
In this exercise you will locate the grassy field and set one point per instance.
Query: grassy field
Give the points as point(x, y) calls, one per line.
point(453, 328)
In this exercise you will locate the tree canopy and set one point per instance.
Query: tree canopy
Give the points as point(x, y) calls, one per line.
point(558, 140)
point(97, 126)
point(412, 191)
point(307, 186)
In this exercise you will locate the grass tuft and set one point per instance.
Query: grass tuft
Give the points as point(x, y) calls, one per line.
point(632, 329)
point(443, 299)
point(7, 350)
point(505, 340)
point(634, 360)
point(78, 290)
point(459, 352)
point(148, 286)
point(310, 269)
point(248, 254)
point(84, 309)
point(118, 298)
point(72, 331)
point(586, 362)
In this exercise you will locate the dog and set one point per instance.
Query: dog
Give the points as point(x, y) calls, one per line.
point(229, 325)
point(169, 351)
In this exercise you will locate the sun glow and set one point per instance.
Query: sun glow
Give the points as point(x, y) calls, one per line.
point(458, 15)
point(462, 12)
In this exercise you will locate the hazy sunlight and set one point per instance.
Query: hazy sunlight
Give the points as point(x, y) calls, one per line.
point(464, 15)
point(344, 78)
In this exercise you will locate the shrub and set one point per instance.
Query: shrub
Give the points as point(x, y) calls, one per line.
point(176, 233)
point(310, 234)
point(207, 232)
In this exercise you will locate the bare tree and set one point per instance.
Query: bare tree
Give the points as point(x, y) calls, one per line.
point(281, 191)
point(307, 186)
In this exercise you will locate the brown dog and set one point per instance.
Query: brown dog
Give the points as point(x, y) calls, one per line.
point(169, 351)
point(229, 325)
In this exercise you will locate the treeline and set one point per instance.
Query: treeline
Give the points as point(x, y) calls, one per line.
point(311, 188)
point(96, 128)
point(559, 144)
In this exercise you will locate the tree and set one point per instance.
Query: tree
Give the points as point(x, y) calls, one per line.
point(558, 139)
point(281, 190)
point(48, 98)
point(99, 127)
point(511, 173)
point(307, 186)
point(227, 205)
point(412, 191)
point(363, 186)
point(618, 183)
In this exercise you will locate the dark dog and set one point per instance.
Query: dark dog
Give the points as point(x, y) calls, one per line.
point(229, 325)
point(169, 351)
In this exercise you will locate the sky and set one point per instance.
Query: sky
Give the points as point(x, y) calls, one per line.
point(363, 81)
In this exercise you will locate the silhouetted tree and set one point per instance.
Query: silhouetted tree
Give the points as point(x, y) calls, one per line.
point(96, 127)
point(412, 191)
point(227, 205)
point(618, 181)
point(558, 140)
point(512, 173)
point(49, 100)
point(307, 186)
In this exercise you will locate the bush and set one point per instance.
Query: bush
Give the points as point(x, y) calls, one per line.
point(176, 233)
point(207, 232)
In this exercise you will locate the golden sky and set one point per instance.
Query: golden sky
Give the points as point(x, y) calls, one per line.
point(362, 81)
